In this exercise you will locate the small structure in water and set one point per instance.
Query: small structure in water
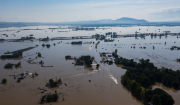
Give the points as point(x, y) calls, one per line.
point(76, 42)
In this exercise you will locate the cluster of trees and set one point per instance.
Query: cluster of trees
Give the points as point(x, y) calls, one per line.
point(114, 36)
point(39, 54)
point(41, 62)
point(97, 66)
point(47, 45)
point(44, 39)
point(49, 98)
point(145, 64)
point(27, 38)
point(175, 48)
point(178, 60)
point(4, 81)
point(147, 74)
point(97, 44)
point(99, 37)
point(53, 83)
point(156, 96)
point(82, 28)
point(18, 80)
point(12, 55)
point(67, 57)
point(87, 59)
point(9, 65)
point(35, 74)
point(18, 64)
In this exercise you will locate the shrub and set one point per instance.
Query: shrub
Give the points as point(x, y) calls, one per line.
point(4, 80)
point(18, 80)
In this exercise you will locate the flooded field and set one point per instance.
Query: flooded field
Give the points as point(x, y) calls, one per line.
point(81, 84)
point(68, 31)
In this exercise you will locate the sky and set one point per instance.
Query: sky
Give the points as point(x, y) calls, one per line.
point(83, 10)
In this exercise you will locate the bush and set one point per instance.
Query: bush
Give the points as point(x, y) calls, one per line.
point(9, 65)
point(39, 54)
point(4, 80)
point(18, 64)
point(18, 80)
point(54, 97)
point(68, 56)
point(49, 98)
point(97, 66)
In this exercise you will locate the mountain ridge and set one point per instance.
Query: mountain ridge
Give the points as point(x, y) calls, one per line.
point(110, 21)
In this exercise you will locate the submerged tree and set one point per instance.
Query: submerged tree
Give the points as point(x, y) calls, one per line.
point(156, 100)
point(97, 66)
point(4, 80)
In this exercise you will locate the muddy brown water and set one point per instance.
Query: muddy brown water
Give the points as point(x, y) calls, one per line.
point(104, 88)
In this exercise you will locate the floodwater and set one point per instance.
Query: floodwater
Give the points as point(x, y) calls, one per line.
point(105, 86)
point(67, 31)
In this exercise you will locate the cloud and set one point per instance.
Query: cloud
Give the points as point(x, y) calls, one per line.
point(168, 14)
point(91, 10)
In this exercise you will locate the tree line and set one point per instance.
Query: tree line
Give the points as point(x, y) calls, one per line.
point(140, 76)
point(147, 74)
point(156, 96)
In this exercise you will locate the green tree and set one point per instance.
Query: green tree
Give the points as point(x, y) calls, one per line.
point(97, 66)
point(54, 97)
point(165, 98)
point(49, 98)
point(148, 94)
point(146, 82)
point(4, 80)
point(116, 51)
point(51, 82)
point(78, 61)
point(156, 100)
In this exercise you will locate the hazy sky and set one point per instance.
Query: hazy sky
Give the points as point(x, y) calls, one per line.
point(80, 10)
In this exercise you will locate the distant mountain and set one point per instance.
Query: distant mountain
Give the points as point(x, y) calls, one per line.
point(124, 20)
point(130, 20)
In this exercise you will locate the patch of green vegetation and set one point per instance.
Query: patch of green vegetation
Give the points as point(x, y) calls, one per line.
point(34, 74)
point(67, 57)
point(4, 81)
point(41, 62)
point(49, 98)
point(8, 66)
point(18, 64)
point(53, 83)
point(97, 66)
point(39, 54)
point(87, 59)
point(19, 80)
point(156, 96)
point(145, 74)
point(48, 45)
point(12, 55)
point(43, 45)
point(178, 60)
